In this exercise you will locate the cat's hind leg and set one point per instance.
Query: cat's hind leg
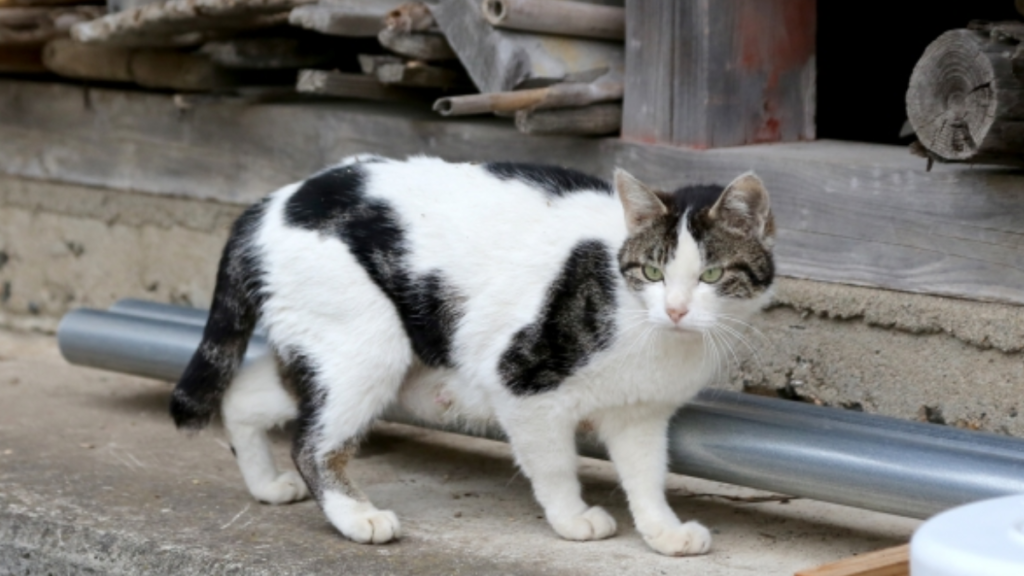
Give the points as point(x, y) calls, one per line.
point(253, 404)
point(346, 380)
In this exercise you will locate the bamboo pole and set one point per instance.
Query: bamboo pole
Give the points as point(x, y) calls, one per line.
point(570, 94)
point(565, 17)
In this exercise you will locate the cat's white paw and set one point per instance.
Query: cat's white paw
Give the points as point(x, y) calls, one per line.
point(593, 524)
point(369, 526)
point(287, 487)
point(686, 539)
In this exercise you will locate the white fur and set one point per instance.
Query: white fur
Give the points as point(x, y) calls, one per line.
point(501, 243)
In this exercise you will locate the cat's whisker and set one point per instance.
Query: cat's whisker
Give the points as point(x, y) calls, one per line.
point(742, 340)
point(753, 329)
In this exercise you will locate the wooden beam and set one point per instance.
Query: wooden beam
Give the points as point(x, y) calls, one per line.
point(966, 96)
point(567, 18)
point(594, 120)
point(852, 213)
point(137, 25)
point(419, 75)
point(715, 73)
point(359, 86)
point(888, 562)
point(504, 60)
point(425, 46)
point(38, 25)
point(357, 18)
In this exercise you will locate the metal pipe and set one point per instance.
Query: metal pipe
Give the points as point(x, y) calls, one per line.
point(862, 460)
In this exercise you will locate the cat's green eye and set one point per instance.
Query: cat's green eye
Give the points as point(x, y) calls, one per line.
point(653, 273)
point(712, 275)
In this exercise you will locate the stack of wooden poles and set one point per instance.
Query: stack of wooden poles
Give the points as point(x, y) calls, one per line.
point(554, 67)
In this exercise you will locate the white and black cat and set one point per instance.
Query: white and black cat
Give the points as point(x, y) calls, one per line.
point(533, 296)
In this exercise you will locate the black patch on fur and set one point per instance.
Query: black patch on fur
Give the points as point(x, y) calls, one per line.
point(334, 202)
point(576, 322)
point(554, 180)
point(298, 376)
point(236, 301)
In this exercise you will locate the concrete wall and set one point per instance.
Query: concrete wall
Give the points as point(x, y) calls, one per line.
point(912, 356)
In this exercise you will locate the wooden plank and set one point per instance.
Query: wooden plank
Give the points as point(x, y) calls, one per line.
point(38, 25)
point(357, 18)
point(594, 120)
point(369, 63)
point(503, 60)
point(738, 72)
point(137, 25)
point(419, 75)
point(566, 94)
point(417, 45)
point(850, 213)
point(273, 53)
point(345, 85)
point(888, 562)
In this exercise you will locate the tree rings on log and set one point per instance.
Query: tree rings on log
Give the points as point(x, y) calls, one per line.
point(964, 101)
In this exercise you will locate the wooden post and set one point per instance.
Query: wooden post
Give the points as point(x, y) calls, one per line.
point(713, 73)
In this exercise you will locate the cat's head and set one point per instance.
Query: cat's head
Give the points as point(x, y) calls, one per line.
point(700, 256)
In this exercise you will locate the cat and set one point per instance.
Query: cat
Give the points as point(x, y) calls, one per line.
point(533, 296)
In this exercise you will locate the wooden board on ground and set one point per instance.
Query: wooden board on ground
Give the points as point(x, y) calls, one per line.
point(503, 60)
point(146, 24)
point(720, 73)
point(888, 562)
point(357, 18)
point(846, 212)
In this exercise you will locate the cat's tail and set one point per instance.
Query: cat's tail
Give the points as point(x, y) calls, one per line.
point(233, 316)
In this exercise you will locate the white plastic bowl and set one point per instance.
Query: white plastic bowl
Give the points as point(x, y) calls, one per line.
point(981, 539)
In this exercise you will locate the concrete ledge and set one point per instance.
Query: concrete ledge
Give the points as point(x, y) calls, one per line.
point(846, 212)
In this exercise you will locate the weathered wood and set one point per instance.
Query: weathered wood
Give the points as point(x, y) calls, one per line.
point(568, 94)
point(139, 25)
point(713, 73)
point(150, 68)
point(38, 25)
point(566, 17)
point(595, 120)
point(419, 75)
point(22, 60)
point(86, 62)
point(342, 85)
point(6, 3)
point(122, 5)
point(411, 17)
point(417, 45)
point(504, 60)
point(887, 562)
point(369, 63)
point(966, 96)
point(845, 212)
point(1020, 5)
point(358, 18)
point(267, 53)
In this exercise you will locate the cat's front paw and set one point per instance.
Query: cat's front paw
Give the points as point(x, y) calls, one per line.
point(686, 539)
point(287, 487)
point(370, 526)
point(593, 524)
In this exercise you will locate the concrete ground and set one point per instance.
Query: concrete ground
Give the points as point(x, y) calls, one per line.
point(95, 480)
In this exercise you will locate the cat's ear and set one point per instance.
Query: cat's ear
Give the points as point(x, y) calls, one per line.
point(743, 208)
point(641, 204)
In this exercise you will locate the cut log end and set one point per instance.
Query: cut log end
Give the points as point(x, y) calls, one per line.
point(952, 102)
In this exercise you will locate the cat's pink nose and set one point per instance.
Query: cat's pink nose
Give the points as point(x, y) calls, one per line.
point(676, 314)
